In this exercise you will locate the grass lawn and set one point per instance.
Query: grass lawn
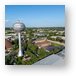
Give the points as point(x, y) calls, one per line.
point(54, 44)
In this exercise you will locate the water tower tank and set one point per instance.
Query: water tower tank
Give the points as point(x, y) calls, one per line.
point(18, 26)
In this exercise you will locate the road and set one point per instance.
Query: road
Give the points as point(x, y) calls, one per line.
point(56, 42)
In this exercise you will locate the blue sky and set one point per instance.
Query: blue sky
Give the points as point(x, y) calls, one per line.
point(35, 15)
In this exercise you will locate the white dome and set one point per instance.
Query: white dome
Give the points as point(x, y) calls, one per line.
point(18, 26)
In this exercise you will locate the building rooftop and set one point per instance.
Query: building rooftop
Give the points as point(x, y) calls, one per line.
point(51, 60)
point(8, 45)
point(42, 43)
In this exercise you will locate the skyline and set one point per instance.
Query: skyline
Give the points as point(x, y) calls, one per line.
point(35, 15)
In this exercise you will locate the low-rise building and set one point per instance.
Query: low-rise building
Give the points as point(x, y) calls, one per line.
point(62, 37)
point(41, 43)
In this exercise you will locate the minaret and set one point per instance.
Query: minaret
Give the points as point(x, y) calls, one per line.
point(19, 27)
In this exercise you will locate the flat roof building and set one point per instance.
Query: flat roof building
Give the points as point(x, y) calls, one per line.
point(41, 43)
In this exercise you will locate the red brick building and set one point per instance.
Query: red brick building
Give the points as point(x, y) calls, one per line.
point(8, 45)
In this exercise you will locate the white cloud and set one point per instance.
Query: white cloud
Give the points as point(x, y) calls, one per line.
point(6, 20)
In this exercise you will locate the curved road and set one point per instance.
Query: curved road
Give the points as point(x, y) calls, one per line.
point(56, 42)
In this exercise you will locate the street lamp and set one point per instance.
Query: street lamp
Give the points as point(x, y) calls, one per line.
point(19, 27)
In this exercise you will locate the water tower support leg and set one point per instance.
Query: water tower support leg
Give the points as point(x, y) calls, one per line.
point(20, 50)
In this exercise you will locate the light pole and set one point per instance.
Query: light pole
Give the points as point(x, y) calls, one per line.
point(19, 27)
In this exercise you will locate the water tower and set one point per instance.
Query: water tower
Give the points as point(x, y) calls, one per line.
point(19, 27)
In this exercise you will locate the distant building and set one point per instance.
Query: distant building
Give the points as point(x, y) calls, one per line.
point(11, 36)
point(62, 37)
